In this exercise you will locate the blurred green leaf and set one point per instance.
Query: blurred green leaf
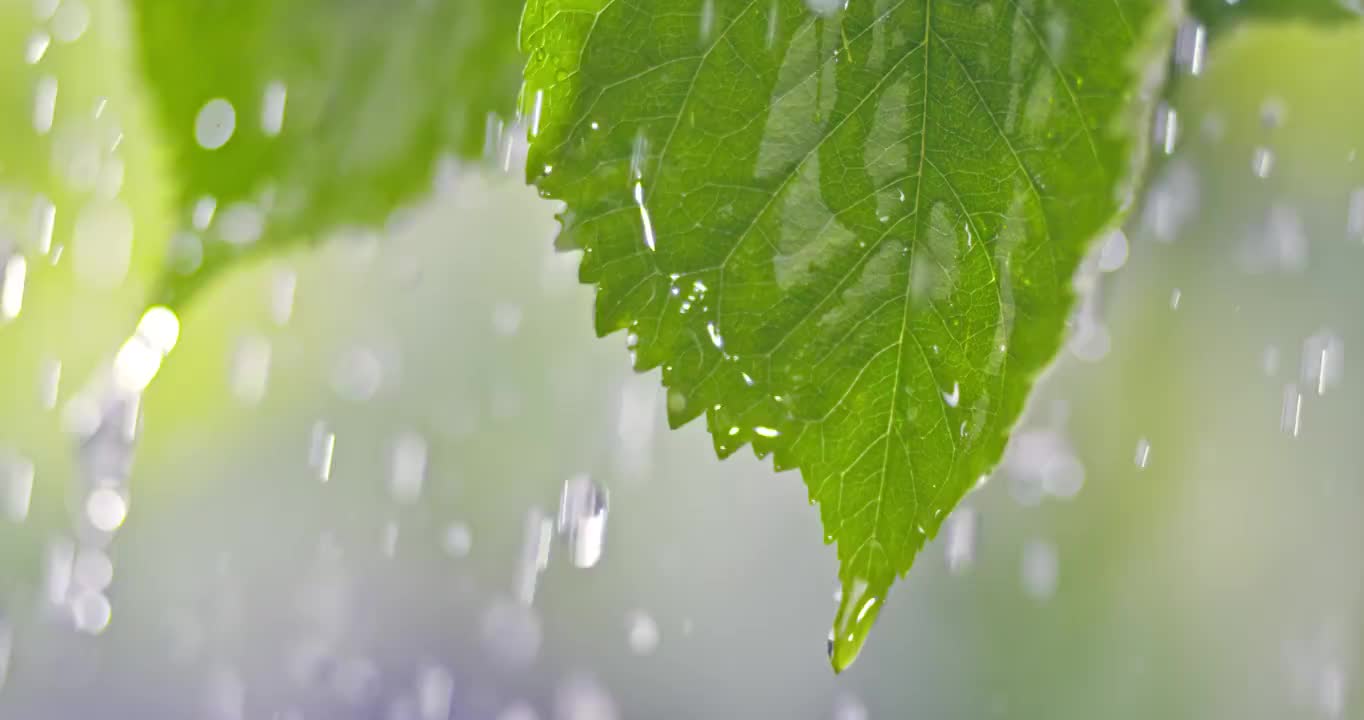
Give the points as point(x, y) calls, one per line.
point(1222, 12)
point(334, 113)
point(848, 238)
point(84, 222)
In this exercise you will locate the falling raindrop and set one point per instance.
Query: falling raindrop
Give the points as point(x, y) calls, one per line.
point(1063, 476)
point(57, 571)
point(1354, 220)
point(389, 542)
point(250, 369)
point(36, 47)
point(826, 8)
point(1191, 46)
point(1331, 691)
point(91, 612)
point(583, 506)
point(773, 22)
point(707, 20)
point(202, 214)
point(44, 219)
point(458, 540)
point(1091, 341)
point(241, 223)
point(1040, 569)
point(92, 569)
point(1172, 201)
point(70, 21)
point(282, 290)
point(272, 108)
point(963, 527)
point(1323, 361)
point(642, 633)
point(581, 697)
point(16, 486)
point(187, 252)
point(1041, 462)
point(1113, 251)
point(43, 10)
point(44, 104)
point(635, 426)
point(214, 124)
point(1166, 127)
point(506, 319)
point(1290, 417)
point(106, 509)
point(848, 707)
point(321, 450)
point(358, 374)
point(139, 359)
point(1143, 454)
point(12, 280)
point(1262, 162)
point(225, 695)
point(408, 468)
point(539, 531)
point(536, 112)
point(1272, 113)
point(6, 648)
point(1269, 361)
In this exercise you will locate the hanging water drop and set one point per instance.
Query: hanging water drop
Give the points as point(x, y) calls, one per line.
point(857, 611)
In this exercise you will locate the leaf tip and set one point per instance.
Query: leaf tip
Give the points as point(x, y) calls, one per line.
point(857, 611)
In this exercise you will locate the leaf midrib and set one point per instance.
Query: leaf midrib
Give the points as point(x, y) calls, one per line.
point(904, 318)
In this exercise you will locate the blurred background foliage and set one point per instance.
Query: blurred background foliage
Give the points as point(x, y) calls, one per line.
point(1175, 531)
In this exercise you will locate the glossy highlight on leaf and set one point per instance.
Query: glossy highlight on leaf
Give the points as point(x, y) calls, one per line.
point(303, 115)
point(847, 237)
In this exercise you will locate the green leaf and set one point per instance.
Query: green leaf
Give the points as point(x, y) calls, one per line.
point(84, 222)
point(1217, 13)
point(847, 238)
point(340, 109)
